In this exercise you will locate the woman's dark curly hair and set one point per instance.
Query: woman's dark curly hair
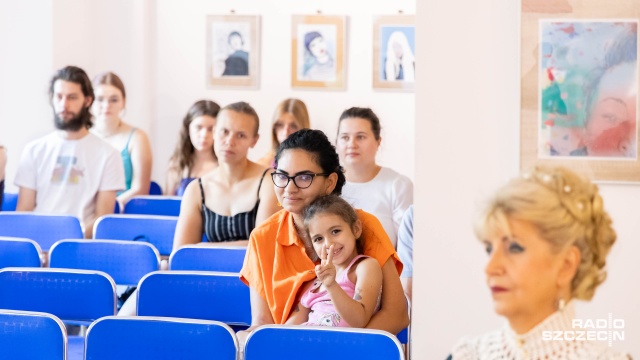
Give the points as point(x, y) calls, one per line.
point(316, 143)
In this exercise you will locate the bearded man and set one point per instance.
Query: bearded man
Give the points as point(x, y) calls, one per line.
point(70, 171)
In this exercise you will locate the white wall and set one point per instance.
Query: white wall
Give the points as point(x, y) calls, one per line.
point(26, 48)
point(468, 98)
point(180, 73)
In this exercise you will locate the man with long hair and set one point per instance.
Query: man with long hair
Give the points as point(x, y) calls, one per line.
point(70, 171)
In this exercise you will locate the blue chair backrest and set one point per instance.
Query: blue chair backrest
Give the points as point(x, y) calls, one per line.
point(195, 295)
point(157, 230)
point(71, 295)
point(19, 252)
point(45, 229)
point(125, 261)
point(32, 335)
point(155, 189)
point(154, 205)
point(9, 202)
point(125, 337)
point(193, 257)
point(271, 342)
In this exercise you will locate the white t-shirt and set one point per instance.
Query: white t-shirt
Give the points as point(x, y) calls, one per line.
point(386, 196)
point(68, 174)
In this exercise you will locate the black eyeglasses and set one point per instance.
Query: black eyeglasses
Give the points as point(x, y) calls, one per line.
point(301, 181)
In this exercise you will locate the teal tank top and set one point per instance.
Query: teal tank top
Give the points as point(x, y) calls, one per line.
point(126, 161)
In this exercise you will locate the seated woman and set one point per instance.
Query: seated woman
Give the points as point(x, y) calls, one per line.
point(278, 264)
point(227, 203)
point(547, 236)
point(194, 155)
point(132, 142)
point(291, 115)
point(358, 142)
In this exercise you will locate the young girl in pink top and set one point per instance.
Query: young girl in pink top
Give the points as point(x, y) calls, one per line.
point(347, 289)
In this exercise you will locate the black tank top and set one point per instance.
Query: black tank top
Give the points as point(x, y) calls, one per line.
point(219, 228)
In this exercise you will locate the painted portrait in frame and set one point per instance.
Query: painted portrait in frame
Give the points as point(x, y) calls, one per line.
point(579, 88)
point(394, 52)
point(233, 51)
point(318, 52)
point(588, 76)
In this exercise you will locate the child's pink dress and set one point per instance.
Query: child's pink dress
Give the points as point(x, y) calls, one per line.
point(323, 312)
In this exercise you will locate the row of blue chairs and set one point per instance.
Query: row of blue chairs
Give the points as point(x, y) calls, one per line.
point(11, 199)
point(80, 297)
point(46, 229)
point(175, 338)
point(145, 205)
point(83, 296)
point(126, 261)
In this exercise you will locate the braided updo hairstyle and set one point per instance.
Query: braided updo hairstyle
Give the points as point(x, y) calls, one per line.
point(567, 210)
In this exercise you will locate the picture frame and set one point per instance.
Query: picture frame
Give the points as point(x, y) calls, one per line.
point(318, 52)
point(579, 88)
point(233, 51)
point(394, 52)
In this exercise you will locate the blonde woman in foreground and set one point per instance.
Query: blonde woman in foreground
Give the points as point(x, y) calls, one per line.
point(547, 237)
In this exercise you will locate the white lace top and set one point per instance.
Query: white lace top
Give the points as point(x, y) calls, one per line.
point(505, 344)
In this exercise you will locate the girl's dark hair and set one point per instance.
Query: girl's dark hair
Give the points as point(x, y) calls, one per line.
point(316, 143)
point(363, 113)
point(183, 154)
point(334, 205)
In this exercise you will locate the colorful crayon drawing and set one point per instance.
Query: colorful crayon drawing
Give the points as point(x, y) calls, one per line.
point(588, 89)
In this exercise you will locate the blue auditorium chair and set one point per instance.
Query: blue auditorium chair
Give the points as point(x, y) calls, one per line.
point(32, 335)
point(125, 261)
point(276, 342)
point(75, 296)
point(9, 202)
point(138, 337)
point(193, 257)
point(195, 295)
point(153, 205)
point(155, 189)
point(19, 252)
point(45, 229)
point(156, 230)
point(72, 295)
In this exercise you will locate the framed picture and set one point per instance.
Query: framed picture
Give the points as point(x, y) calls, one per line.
point(318, 52)
point(233, 51)
point(393, 52)
point(580, 87)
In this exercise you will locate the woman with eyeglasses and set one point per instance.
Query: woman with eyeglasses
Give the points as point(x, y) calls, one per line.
point(227, 203)
point(278, 266)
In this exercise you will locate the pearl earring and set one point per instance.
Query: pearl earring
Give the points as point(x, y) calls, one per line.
point(561, 304)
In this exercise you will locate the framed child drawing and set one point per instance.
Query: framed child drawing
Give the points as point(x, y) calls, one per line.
point(393, 52)
point(580, 87)
point(233, 51)
point(318, 54)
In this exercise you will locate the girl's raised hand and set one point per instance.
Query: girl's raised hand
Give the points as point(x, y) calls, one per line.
point(326, 271)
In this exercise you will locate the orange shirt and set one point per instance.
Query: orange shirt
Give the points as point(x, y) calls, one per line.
point(276, 264)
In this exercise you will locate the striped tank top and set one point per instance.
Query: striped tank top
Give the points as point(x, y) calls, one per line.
point(219, 228)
